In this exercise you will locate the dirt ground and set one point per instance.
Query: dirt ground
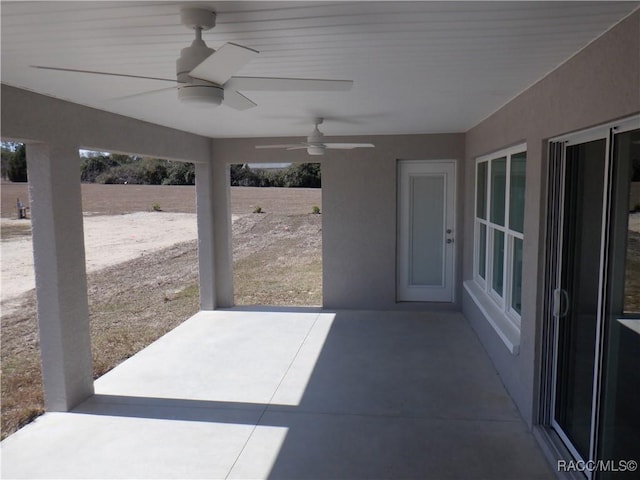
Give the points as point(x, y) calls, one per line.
point(277, 259)
point(136, 298)
point(109, 239)
point(119, 199)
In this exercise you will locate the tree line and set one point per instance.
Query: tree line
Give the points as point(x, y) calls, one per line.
point(124, 169)
point(305, 175)
point(112, 168)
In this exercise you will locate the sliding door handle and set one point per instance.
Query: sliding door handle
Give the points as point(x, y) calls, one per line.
point(560, 302)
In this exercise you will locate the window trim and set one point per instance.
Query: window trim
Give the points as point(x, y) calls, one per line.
point(497, 308)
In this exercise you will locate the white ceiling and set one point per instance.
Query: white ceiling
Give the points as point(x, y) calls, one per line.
point(418, 67)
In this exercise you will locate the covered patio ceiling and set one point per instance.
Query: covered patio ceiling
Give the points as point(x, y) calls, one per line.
point(418, 67)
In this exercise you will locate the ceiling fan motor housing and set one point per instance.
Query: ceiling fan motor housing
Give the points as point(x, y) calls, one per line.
point(316, 136)
point(198, 19)
point(316, 147)
point(192, 90)
point(190, 58)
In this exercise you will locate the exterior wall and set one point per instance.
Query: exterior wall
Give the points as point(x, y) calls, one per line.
point(359, 222)
point(359, 212)
point(598, 84)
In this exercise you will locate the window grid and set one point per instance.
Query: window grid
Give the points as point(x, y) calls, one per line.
point(505, 298)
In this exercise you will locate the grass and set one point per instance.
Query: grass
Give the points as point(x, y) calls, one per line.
point(22, 395)
point(290, 280)
point(278, 260)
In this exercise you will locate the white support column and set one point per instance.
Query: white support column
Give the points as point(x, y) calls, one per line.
point(214, 236)
point(222, 242)
point(206, 256)
point(61, 282)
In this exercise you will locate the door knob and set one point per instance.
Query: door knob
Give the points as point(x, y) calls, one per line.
point(449, 240)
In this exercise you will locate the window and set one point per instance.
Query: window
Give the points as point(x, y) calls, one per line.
point(499, 227)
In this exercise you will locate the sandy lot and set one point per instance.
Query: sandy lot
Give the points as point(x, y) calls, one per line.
point(120, 226)
point(109, 240)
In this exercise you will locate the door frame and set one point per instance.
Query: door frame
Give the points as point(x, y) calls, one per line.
point(448, 168)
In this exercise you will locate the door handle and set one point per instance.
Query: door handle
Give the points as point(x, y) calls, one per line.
point(560, 302)
point(449, 240)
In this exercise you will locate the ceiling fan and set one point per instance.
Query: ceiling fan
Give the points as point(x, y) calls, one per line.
point(206, 76)
point(315, 145)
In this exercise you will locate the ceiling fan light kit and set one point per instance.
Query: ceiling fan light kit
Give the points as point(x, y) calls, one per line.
point(201, 95)
point(316, 149)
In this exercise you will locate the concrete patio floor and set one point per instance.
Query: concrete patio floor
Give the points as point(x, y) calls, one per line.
point(292, 394)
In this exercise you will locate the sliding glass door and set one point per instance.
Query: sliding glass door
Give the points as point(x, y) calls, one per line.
point(594, 301)
point(577, 298)
point(619, 436)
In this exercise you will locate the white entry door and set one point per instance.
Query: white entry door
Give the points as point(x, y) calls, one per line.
point(426, 211)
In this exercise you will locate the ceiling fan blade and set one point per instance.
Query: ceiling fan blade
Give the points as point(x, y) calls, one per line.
point(348, 146)
point(223, 63)
point(238, 101)
point(294, 146)
point(73, 70)
point(144, 94)
point(288, 84)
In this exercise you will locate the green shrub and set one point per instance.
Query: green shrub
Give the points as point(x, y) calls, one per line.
point(156, 207)
point(92, 167)
point(179, 173)
point(258, 209)
point(315, 209)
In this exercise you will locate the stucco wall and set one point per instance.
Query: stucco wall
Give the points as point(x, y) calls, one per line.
point(359, 223)
point(359, 210)
point(599, 84)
